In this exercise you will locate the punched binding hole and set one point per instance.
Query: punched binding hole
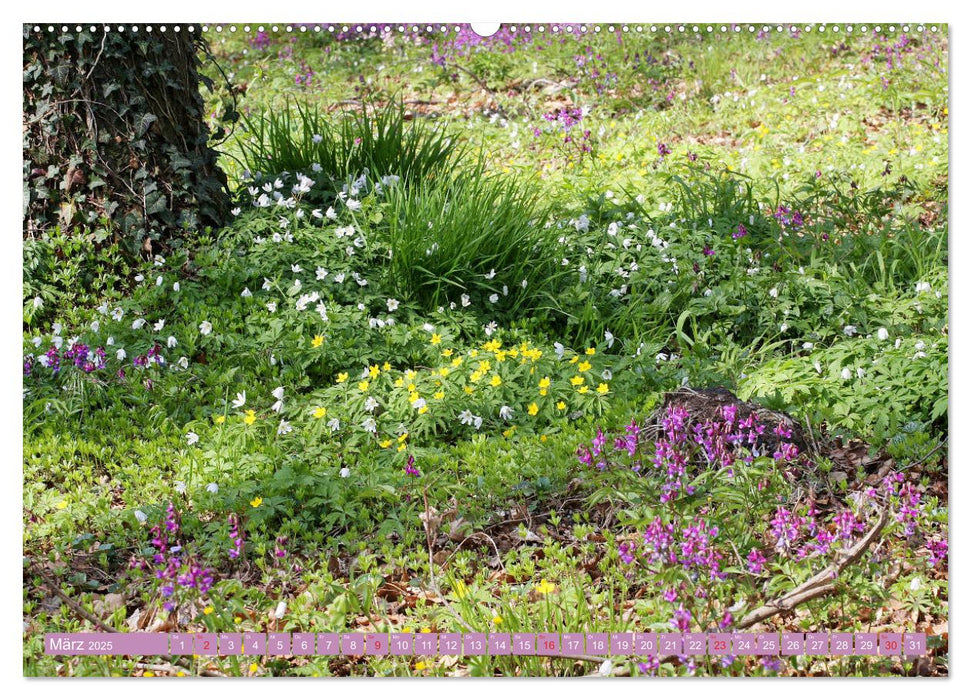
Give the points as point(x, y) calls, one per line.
point(485, 29)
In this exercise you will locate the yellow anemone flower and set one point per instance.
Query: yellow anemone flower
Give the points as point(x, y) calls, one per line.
point(544, 587)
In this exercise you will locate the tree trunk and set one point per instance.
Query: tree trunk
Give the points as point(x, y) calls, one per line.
point(116, 143)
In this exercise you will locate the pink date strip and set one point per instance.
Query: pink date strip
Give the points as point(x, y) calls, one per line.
point(478, 644)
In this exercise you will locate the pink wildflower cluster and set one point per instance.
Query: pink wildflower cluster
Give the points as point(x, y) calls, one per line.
point(176, 573)
point(711, 444)
point(691, 547)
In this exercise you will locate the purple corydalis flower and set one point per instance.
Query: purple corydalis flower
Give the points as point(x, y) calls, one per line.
point(771, 664)
point(740, 232)
point(938, 550)
point(663, 150)
point(785, 528)
point(236, 536)
point(410, 468)
point(755, 561)
point(681, 620)
point(727, 621)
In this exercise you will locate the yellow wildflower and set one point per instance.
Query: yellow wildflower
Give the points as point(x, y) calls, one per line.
point(385, 444)
point(363, 386)
point(497, 620)
point(208, 610)
point(447, 352)
point(436, 338)
point(577, 380)
point(533, 409)
point(320, 412)
point(420, 666)
point(250, 416)
point(342, 377)
point(373, 371)
point(544, 587)
point(220, 419)
point(256, 502)
point(560, 405)
point(602, 389)
point(317, 341)
point(591, 351)
point(584, 366)
point(544, 383)
point(386, 367)
point(439, 395)
point(496, 380)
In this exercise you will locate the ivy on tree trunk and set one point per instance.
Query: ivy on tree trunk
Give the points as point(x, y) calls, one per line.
point(116, 143)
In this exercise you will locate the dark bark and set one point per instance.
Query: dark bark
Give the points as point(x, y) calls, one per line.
point(116, 142)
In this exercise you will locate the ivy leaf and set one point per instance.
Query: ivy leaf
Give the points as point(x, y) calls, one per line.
point(143, 122)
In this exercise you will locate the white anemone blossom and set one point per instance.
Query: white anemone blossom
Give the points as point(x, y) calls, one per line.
point(278, 395)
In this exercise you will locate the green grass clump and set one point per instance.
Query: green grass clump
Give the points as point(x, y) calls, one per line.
point(379, 140)
point(477, 235)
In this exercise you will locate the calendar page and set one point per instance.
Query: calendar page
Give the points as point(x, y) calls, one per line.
point(437, 349)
